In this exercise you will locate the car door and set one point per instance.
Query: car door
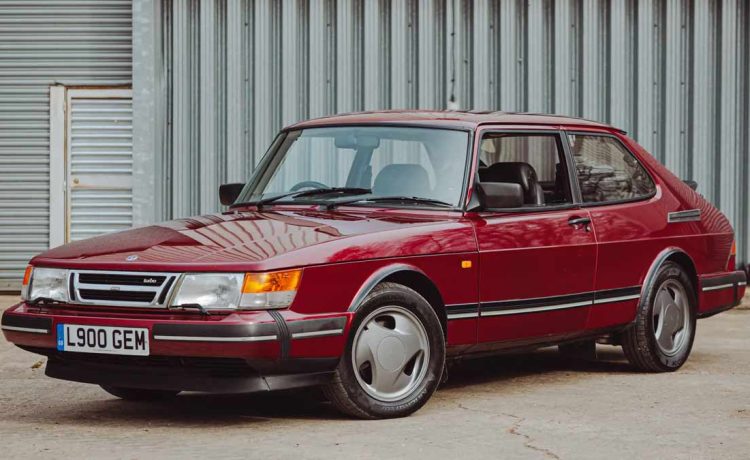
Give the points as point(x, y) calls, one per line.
point(536, 262)
point(630, 222)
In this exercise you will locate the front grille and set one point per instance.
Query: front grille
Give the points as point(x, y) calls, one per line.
point(122, 280)
point(123, 289)
point(128, 296)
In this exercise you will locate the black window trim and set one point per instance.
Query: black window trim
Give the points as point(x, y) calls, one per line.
point(577, 186)
point(567, 159)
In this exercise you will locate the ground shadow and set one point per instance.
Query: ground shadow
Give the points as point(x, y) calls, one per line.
point(226, 410)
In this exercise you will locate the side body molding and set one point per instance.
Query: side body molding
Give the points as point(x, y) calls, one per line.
point(378, 276)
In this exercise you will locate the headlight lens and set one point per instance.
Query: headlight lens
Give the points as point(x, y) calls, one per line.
point(210, 290)
point(247, 291)
point(50, 283)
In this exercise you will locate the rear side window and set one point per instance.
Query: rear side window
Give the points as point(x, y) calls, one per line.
point(607, 171)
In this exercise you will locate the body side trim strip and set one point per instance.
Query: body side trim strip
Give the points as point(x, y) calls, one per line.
point(541, 304)
point(179, 338)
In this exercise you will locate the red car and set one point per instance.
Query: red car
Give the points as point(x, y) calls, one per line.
point(367, 249)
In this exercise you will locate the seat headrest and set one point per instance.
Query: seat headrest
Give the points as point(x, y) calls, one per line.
point(517, 171)
point(402, 180)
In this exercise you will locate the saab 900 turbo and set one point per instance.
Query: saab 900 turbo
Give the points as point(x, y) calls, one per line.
point(369, 249)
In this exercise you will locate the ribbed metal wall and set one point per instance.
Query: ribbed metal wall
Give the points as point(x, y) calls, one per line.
point(673, 73)
point(43, 43)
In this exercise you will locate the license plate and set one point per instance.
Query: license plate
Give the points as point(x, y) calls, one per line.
point(103, 339)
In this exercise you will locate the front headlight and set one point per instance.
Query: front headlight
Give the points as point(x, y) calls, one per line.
point(251, 291)
point(210, 290)
point(48, 283)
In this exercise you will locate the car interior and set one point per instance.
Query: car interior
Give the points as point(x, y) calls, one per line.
point(532, 161)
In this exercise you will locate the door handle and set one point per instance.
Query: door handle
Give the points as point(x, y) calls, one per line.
point(582, 221)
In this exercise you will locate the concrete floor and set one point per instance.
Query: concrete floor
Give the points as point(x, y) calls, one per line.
point(530, 406)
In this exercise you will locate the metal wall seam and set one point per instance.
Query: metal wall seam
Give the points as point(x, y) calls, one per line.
point(730, 169)
point(674, 81)
point(704, 116)
point(207, 90)
point(646, 85)
point(564, 64)
point(512, 59)
point(430, 49)
point(536, 70)
point(266, 69)
point(484, 56)
point(235, 132)
point(376, 43)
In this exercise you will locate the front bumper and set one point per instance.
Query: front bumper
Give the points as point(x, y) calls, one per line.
point(239, 352)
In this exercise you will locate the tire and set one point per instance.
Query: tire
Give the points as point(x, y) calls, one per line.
point(380, 324)
point(646, 345)
point(139, 394)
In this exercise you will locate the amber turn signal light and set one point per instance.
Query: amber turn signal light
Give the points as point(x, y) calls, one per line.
point(27, 275)
point(733, 252)
point(256, 283)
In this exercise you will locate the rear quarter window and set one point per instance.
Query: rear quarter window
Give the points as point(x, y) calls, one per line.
point(607, 171)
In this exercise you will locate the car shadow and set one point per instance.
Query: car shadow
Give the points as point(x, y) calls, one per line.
point(193, 409)
point(496, 369)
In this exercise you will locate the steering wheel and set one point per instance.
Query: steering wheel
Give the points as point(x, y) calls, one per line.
point(308, 184)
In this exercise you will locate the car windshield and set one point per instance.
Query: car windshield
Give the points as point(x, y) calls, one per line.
point(324, 165)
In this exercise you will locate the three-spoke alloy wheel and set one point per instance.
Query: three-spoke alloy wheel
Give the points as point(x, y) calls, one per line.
point(394, 356)
point(663, 333)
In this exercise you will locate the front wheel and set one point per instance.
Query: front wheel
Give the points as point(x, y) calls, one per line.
point(664, 329)
point(394, 357)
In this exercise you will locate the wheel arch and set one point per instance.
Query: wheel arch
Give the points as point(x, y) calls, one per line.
point(671, 254)
point(411, 277)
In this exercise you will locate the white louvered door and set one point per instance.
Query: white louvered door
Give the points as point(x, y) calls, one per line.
point(99, 157)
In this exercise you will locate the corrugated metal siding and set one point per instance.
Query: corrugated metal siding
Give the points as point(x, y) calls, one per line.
point(673, 73)
point(43, 43)
point(100, 151)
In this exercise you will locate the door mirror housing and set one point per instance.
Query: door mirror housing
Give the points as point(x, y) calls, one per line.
point(228, 193)
point(499, 195)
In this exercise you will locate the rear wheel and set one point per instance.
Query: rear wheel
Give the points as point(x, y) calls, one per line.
point(394, 357)
point(139, 394)
point(662, 337)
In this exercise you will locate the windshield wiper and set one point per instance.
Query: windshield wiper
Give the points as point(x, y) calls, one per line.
point(44, 300)
point(194, 306)
point(379, 199)
point(318, 191)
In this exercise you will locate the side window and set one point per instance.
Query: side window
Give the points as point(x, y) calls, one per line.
point(607, 171)
point(533, 161)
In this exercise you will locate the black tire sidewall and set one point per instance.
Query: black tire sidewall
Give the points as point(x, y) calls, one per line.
point(393, 294)
point(671, 271)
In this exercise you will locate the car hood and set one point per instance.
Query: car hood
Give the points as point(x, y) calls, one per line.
point(248, 241)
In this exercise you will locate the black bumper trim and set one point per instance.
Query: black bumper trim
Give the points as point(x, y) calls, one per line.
point(735, 277)
point(239, 332)
point(25, 323)
point(316, 327)
point(178, 379)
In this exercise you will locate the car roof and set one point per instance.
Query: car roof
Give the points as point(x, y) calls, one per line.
point(449, 119)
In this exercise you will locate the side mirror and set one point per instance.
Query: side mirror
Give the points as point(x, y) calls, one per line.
point(228, 193)
point(499, 195)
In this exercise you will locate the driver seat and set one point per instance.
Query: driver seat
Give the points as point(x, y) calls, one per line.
point(516, 172)
point(402, 179)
